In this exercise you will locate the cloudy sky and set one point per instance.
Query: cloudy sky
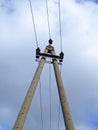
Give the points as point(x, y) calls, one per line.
point(79, 70)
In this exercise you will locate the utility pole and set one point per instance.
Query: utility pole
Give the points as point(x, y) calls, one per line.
point(62, 95)
point(49, 52)
point(28, 99)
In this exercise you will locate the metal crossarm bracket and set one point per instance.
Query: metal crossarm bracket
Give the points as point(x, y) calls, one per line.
point(49, 54)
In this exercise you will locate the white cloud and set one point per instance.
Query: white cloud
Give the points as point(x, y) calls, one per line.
point(83, 128)
point(80, 45)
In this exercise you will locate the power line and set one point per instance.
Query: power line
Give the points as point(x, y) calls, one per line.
point(40, 89)
point(50, 91)
point(59, 116)
point(48, 22)
point(60, 25)
point(60, 32)
point(33, 23)
point(59, 105)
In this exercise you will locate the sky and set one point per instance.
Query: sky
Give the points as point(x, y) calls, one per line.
point(79, 19)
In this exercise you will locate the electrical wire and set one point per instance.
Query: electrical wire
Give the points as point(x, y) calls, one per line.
point(36, 39)
point(59, 105)
point(60, 31)
point(48, 22)
point(59, 115)
point(41, 110)
point(50, 91)
point(60, 25)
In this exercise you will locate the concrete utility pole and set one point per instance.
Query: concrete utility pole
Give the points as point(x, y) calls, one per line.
point(49, 52)
point(63, 99)
point(28, 99)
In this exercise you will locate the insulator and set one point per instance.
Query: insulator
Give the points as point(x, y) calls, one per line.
point(37, 52)
point(50, 41)
point(61, 56)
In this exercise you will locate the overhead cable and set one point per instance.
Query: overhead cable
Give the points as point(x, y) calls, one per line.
point(59, 115)
point(50, 91)
point(59, 112)
point(60, 25)
point(41, 110)
point(60, 32)
point(48, 22)
point(33, 23)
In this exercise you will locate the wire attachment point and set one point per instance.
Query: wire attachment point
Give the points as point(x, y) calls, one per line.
point(37, 52)
point(50, 41)
point(61, 56)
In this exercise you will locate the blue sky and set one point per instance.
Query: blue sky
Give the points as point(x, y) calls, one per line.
point(4, 127)
point(95, 1)
point(80, 66)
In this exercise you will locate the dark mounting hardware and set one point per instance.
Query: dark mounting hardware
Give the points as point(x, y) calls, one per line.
point(60, 57)
point(37, 52)
point(50, 41)
point(49, 54)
